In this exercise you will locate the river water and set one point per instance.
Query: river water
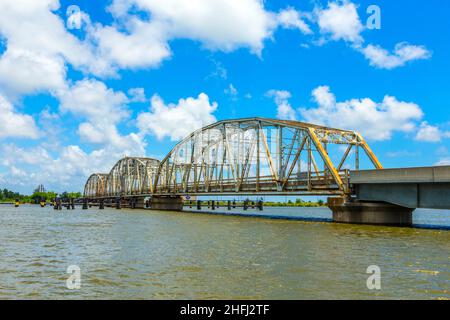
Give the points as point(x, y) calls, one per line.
point(142, 254)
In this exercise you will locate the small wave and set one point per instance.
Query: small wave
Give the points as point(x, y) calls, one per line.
point(431, 272)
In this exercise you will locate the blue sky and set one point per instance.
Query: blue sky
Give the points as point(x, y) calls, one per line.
point(82, 86)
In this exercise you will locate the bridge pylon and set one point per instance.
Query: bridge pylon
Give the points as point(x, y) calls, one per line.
point(346, 210)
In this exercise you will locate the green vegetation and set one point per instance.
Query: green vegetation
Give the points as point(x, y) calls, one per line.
point(297, 203)
point(7, 196)
point(70, 195)
point(10, 196)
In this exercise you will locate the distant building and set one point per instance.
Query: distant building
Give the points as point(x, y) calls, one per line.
point(40, 188)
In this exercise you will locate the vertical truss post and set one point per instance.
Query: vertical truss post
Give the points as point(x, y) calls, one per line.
point(280, 152)
point(325, 171)
point(258, 156)
point(357, 157)
point(309, 163)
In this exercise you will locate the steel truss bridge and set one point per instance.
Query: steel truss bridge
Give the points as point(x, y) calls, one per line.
point(252, 156)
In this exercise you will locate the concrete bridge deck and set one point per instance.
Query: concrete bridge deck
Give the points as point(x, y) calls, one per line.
point(402, 175)
point(422, 187)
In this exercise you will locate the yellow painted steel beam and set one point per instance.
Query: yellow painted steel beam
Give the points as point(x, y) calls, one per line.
point(326, 158)
point(369, 152)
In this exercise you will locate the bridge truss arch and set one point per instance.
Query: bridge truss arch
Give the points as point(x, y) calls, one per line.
point(243, 156)
point(132, 176)
point(262, 156)
point(96, 185)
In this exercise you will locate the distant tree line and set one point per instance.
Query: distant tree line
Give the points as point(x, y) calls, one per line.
point(6, 195)
point(298, 203)
point(37, 196)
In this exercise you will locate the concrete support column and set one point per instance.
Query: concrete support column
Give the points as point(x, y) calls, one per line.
point(85, 204)
point(171, 203)
point(378, 213)
point(118, 203)
point(140, 203)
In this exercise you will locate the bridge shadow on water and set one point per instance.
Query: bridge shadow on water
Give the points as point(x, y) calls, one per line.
point(300, 218)
point(263, 216)
point(430, 226)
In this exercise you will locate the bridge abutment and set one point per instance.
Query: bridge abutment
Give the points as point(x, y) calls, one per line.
point(169, 203)
point(378, 213)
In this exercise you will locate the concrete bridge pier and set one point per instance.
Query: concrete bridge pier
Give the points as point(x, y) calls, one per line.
point(139, 202)
point(378, 213)
point(169, 203)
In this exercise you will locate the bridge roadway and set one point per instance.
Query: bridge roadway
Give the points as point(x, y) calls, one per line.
point(422, 187)
point(381, 196)
point(389, 196)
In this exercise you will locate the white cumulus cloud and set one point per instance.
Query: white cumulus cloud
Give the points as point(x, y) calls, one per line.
point(290, 18)
point(374, 120)
point(37, 47)
point(13, 124)
point(144, 45)
point(66, 171)
point(403, 53)
point(340, 21)
point(218, 24)
point(224, 25)
point(103, 108)
point(177, 120)
point(95, 101)
point(284, 109)
point(428, 133)
point(25, 71)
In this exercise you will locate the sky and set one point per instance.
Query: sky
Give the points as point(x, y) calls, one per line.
point(84, 83)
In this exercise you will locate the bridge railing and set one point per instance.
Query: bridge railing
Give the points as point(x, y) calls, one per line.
point(320, 182)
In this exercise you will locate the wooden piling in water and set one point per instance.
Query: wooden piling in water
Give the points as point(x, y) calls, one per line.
point(85, 204)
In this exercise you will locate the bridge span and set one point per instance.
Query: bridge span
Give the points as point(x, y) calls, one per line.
point(259, 156)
